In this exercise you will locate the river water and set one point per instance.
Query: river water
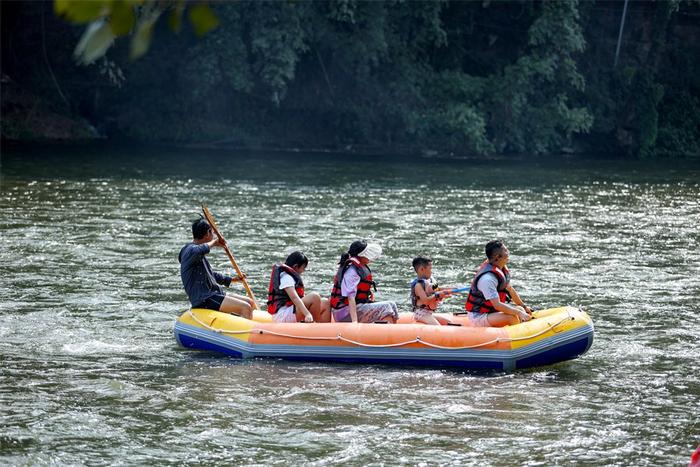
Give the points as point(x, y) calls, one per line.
point(91, 374)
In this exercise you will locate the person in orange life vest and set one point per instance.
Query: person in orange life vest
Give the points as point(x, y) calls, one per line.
point(424, 296)
point(286, 300)
point(203, 286)
point(490, 290)
point(352, 298)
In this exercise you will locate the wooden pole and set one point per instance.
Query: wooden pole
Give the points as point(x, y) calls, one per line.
point(212, 223)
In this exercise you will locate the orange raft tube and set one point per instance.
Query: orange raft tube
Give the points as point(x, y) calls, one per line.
point(555, 335)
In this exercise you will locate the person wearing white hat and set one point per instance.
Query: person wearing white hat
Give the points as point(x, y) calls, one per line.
point(352, 297)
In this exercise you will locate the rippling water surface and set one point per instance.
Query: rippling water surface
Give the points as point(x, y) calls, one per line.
point(89, 291)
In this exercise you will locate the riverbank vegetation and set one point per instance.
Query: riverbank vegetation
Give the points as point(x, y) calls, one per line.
point(469, 78)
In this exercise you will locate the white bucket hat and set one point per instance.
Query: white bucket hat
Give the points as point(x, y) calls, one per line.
point(372, 251)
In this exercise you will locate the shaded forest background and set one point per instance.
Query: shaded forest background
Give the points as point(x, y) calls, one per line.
point(469, 78)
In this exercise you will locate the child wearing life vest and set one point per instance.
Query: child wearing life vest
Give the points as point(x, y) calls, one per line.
point(424, 297)
point(490, 291)
point(352, 297)
point(286, 300)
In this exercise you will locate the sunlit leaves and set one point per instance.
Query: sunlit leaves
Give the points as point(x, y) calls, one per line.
point(142, 37)
point(107, 19)
point(97, 38)
point(175, 17)
point(82, 11)
point(122, 17)
point(202, 19)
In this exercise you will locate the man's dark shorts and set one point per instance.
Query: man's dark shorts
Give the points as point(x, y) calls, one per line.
point(212, 303)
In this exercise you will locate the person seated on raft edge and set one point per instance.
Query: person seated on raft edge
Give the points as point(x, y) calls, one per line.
point(203, 286)
point(490, 289)
point(352, 298)
point(286, 301)
point(424, 295)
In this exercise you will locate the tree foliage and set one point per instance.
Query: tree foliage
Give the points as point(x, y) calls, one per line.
point(515, 77)
point(108, 19)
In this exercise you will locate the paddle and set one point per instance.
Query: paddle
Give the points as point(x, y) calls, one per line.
point(212, 223)
point(452, 291)
point(466, 289)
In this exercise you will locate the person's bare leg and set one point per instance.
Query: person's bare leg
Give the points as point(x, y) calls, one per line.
point(243, 298)
point(443, 320)
point(498, 319)
point(237, 307)
point(326, 309)
point(314, 304)
point(428, 319)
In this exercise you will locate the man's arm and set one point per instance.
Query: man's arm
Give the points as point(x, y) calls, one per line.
point(227, 280)
point(298, 304)
point(423, 298)
point(220, 278)
point(349, 289)
point(487, 285)
point(193, 253)
point(352, 305)
point(510, 309)
point(517, 300)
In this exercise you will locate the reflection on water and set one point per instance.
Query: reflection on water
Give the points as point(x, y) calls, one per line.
point(91, 373)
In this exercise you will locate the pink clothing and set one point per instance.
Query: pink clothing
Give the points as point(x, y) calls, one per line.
point(285, 315)
point(351, 279)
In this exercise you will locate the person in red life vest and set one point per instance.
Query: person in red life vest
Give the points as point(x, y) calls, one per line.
point(286, 300)
point(490, 291)
point(352, 297)
point(202, 284)
point(695, 458)
point(424, 296)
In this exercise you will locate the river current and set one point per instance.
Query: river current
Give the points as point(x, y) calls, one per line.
point(89, 291)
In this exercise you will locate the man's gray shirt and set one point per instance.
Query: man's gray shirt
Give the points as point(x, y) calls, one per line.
point(199, 280)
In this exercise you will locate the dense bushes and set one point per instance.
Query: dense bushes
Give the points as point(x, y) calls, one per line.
point(486, 77)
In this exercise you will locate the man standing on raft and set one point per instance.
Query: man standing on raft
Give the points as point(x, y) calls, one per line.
point(203, 286)
point(490, 290)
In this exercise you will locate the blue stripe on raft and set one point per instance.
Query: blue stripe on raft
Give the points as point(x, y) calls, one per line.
point(192, 343)
point(564, 352)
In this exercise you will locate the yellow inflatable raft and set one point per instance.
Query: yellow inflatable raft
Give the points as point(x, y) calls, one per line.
point(555, 335)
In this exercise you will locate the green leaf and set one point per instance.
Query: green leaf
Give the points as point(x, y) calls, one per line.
point(96, 40)
point(202, 19)
point(175, 17)
point(81, 11)
point(142, 38)
point(122, 18)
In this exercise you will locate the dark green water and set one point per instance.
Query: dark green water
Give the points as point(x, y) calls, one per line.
point(89, 291)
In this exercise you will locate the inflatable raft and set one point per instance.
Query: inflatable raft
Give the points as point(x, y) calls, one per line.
point(555, 335)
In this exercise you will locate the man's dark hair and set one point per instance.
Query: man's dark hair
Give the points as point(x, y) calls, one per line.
point(200, 227)
point(494, 247)
point(296, 258)
point(419, 261)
